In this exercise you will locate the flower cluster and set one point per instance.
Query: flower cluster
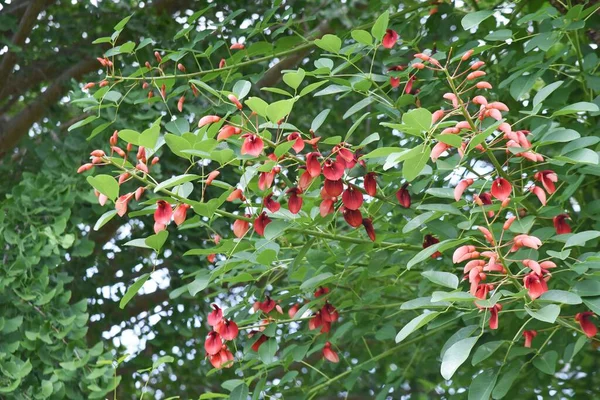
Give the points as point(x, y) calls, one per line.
point(223, 330)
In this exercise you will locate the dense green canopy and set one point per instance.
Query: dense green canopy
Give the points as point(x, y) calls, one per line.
point(73, 322)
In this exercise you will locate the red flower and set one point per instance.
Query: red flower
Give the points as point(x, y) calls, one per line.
point(208, 119)
point(240, 227)
point(333, 170)
point(265, 180)
point(333, 188)
point(352, 198)
point(213, 343)
point(121, 204)
point(329, 354)
point(293, 310)
point(535, 284)
point(313, 166)
point(548, 178)
point(215, 316)
point(271, 204)
point(180, 213)
point(541, 195)
point(352, 217)
point(162, 215)
point(368, 224)
point(587, 326)
point(483, 290)
point(298, 142)
point(321, 291)
point(295, 201)
point(430, 240)
point(211, 177)
point(261, 222)
point(326, 207)
point(501, 189)
point(237, 194)
point(316, 321)
point(329, 313)
point(259, 342)
point(253, 145)
point(389, 39)
point(494, 316)
point(305, 180)
point(227, 329)
point(394, 81)
point(403, 196)
point(222, 358)
point(227, 131)
point(529, 335)
point(235, 101)
point(370, 184)
point(560, 225)
point(461, 187)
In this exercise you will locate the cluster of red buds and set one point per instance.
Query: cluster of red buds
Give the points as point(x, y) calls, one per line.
point(164, 211)
point(215, 344)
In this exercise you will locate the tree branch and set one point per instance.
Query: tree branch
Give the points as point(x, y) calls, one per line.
point(273, 75)
point(25, 26)
point(11, 130)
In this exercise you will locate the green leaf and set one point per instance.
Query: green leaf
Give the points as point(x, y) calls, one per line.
point(544, 92)
point(419, 119)
point(157, 241)
point(472, 20)
point(105, 184)
point(415, 324)
point(452, 140)
point(452, 296)
point(122, 23)
point(442, 278)
point(500, 35)
point(587, 288)
point(257, 105)
point(84, 122)
point(546, 362)
point(240, 392)
point(561, 296)
point(506, 382)
point(548, 313)
point(580, 156)
point(315, 281)
point(319, 119)
point(200, 282)
point(380, 26)
point(130, 136)
point(276, 229)
point(482, 386)
point(176, 180)
point(241, 89)
point(278, 110)
point(330, 43)
point(485, 350)
point(418, 221)
point(149, 137)
point(362, 37)
point(456, 355)
point(413, 166)
point(358, 106)
point(267, 350)
point(583, 106)
point(132, 290)
point(283, 148)
point(104, 218)
point(294, 79)
point(579, 239)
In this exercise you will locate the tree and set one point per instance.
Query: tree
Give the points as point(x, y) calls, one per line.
point(327, 232)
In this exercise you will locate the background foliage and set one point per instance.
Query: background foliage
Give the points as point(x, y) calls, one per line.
point(63, 332)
